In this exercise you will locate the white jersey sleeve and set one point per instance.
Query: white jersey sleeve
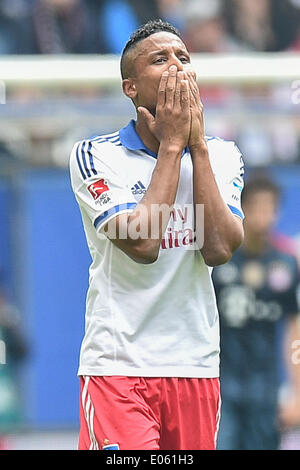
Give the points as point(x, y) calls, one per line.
point(228, 167)
point(98, 181)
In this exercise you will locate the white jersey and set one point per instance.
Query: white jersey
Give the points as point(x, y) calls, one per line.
point(159, 319)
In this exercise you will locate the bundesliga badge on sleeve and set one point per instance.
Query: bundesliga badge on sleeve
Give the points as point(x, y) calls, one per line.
point(97, 188)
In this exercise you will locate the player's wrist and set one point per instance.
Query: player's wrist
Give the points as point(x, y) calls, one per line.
point(198, 148)
point(171, 147)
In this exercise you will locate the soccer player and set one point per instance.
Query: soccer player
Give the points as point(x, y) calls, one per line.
point(256, 294)
point(149, 361)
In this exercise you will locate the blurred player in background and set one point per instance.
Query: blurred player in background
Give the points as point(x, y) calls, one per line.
point(149, 362)
point(13, 349)
point(256, 294)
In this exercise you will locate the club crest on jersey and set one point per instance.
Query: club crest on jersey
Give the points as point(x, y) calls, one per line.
point(97, 188)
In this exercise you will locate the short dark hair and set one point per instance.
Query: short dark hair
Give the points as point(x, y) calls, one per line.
point(143, 32)
point(260, 183)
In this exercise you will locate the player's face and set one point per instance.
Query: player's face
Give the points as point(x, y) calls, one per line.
point(152, 56)
point(260, 212)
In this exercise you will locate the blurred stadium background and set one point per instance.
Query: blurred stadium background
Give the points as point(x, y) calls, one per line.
point(59, 82)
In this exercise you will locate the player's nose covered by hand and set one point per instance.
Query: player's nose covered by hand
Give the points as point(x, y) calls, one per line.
point(172, 118)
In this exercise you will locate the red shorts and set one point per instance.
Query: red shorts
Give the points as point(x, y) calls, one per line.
point(135, 413)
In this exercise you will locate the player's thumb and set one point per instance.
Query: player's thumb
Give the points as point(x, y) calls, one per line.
point(145, 115)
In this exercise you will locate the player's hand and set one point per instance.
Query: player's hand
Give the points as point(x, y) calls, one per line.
point(197, 133)
point(172, 120)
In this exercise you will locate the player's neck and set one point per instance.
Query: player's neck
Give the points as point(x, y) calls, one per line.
point(147, 137)
point(255, 244)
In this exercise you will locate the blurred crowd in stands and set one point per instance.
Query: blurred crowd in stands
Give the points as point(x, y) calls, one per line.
point(207, 26)
point(39, 127)
point(103, 26)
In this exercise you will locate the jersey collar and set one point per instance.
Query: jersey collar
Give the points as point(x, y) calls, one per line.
point(131, 140)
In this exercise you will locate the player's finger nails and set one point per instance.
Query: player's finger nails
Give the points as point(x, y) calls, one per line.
point(180, 76)
point(189, 67)
point(192, 75)
point(191, 78)
point(163, 81)
point(185, 89)
point(191, 72)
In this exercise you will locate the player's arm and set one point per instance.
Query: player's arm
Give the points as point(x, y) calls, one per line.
point(171, 127)
point(223, 231)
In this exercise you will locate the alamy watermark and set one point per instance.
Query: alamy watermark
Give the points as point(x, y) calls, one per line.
point(295, 356)
point(295, 92)
point(2, 92)
point(2, 352)
point(184, 225)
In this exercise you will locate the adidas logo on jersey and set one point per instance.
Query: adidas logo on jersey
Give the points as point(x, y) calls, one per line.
point(138, 188)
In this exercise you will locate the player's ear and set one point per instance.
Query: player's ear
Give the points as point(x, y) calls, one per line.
point(129, 88)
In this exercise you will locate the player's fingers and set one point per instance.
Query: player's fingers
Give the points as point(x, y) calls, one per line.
point(161, 95)
point(191, 76)
point(185, 95)
point(177, 94)
point(193, 86)
point(146, 116)
point(194, 90)
point(171, 86)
